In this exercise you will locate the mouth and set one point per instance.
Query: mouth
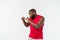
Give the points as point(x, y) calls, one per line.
point(33, 16)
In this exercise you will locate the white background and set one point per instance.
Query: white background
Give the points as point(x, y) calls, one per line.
point(11, 11)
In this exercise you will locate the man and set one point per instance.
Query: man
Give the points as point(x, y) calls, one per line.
point(36, 23)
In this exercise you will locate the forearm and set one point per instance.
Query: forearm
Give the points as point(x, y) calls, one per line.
point(25, 23)
point(35, 25)
point(40, 23)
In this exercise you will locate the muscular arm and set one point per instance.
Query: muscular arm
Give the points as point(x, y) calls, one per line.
point(26, 23)
point(38, 24)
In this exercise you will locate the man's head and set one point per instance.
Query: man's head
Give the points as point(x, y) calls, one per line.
point(32, 13)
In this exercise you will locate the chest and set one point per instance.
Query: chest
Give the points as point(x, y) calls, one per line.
point(36, 20)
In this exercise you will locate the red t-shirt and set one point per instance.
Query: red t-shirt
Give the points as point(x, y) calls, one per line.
point(34, 32)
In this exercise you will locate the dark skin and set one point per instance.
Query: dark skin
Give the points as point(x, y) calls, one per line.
point(25, 23)
point(30, 22)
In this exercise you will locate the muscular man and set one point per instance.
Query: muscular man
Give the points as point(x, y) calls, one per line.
point(36, 23)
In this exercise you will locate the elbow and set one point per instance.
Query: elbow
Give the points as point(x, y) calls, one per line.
point(26, 25)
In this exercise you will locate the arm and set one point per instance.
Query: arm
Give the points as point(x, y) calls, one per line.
point(38, 24)
point(25, 23)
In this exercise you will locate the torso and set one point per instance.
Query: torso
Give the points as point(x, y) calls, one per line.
point(36, 33)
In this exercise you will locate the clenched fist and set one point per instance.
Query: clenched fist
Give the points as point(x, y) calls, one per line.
point(27, 19)
point(23, 18)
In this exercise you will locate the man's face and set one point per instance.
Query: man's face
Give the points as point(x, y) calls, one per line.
point(32, 14)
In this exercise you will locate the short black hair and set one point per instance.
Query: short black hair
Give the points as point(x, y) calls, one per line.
point(33, 10)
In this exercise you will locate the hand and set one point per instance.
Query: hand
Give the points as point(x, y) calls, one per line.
point(27, 19)
point(23, 18)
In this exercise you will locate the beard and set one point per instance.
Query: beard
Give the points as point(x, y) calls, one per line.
point(33, 16)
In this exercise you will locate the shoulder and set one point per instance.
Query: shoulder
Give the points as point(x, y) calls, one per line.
point(41, 17)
